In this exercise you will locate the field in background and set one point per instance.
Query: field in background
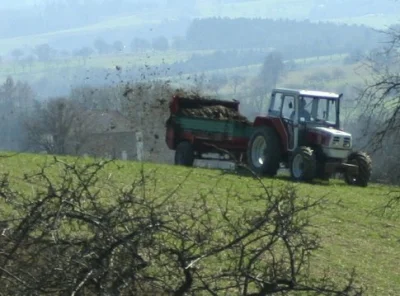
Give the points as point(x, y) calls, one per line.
point(307, 65)
point(350, 75)
point(376, 21)
point(339, 77)
point(275, 9)
point(259, 8)
point(152, 59)
point(126, 60)
point(352, 235)
point(133, 22)
point(296, 9)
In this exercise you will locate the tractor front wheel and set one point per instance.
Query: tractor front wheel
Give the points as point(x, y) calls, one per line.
point(184, 154)
point(263, 151)
point(303, 164)
point(364, 163)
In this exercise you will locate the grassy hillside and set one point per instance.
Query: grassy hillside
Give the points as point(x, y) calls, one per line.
point(150, 58)
point(352, 235)
point(133, 22)
point(38, 70)
point(126, 60)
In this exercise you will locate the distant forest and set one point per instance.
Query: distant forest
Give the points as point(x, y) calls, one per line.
point(294, 39)
point(63, 15)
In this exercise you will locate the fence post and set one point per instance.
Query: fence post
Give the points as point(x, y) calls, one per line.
point(139, 146)
point(124, 155)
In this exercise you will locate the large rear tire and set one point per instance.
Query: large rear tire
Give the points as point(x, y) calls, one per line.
point(263, 152)
point(364, 163)
point(303, 164)
point(184, 154)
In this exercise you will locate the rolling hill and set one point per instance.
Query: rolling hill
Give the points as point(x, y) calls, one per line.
point(151, 22)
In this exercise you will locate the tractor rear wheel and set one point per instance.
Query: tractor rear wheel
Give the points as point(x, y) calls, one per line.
point(263, 151)
point(364, 163)
point(184, 154)
point(303, 164)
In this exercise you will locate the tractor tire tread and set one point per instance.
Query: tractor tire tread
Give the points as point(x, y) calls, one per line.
point(272, 164)
point(309, 162)
point(364, 163)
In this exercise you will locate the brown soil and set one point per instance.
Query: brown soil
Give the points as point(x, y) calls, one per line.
point(200, 107)
point(216, 112)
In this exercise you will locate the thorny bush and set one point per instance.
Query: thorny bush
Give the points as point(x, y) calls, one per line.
point(77, 234)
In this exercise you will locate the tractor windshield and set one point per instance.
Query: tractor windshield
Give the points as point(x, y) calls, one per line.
point(320, 109)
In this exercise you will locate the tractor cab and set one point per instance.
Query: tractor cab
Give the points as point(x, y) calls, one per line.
point(302, 111)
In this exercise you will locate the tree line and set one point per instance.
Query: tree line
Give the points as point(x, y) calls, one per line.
point(63, 15)
point(295, 39)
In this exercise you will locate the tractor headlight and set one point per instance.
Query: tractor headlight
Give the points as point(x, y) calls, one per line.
point(336, 141)
point(347, 142)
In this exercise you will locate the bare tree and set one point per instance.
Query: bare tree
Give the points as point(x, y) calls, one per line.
point(17, 54)
point(139, 45)
point(271, 70)
point(70, 238)
point(84, 53)
point(216, 82)
point(55, 122)
point(102, 46)
point(16, 101)
point(338, 73)
point(118, 46)
point(236, 80)
point(381, 97)
point(28, 61)
point(160, 43)
point(44, 52)
point(379, 105)
point(145, 104)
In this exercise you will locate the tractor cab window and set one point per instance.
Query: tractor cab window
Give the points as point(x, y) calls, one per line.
point(288, 107)
point(306, 106)
point(331, 110)
point(276, 105)
point(326, 111)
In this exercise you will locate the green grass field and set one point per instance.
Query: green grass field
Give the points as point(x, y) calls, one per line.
point(120, 22)
point(353, 235)
point(150, 58)
point(40, 70)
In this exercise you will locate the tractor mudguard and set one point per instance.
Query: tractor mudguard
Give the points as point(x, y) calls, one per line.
point(277, 125)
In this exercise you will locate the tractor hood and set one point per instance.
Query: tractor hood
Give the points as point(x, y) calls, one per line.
point(334, 143)
point(330, 131)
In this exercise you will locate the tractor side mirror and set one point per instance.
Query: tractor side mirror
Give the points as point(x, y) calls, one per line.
point(290, 105)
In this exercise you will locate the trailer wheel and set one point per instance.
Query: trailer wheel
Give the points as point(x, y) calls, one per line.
point(184, 154)
point(364, 163)
point(303, 164)
point(263, 152)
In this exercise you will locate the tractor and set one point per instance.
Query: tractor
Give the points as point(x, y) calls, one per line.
point(302, 132)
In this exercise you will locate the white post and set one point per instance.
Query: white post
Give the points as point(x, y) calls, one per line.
point(139, 135)
point(139, 146)
point(124, 155)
